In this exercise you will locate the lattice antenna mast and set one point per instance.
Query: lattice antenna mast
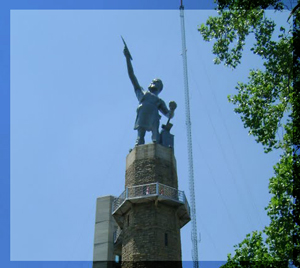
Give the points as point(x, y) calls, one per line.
point(189, 143)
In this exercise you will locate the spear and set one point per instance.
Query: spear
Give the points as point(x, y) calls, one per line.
point(126, 47)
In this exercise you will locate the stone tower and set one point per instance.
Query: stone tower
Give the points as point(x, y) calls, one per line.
point(151, 210)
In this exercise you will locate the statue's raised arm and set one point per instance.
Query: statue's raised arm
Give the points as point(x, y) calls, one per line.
point(131, 74)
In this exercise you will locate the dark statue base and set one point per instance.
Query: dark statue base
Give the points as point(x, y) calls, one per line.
point(166, 138)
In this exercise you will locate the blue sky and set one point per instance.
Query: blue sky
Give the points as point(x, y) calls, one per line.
point(72, 109)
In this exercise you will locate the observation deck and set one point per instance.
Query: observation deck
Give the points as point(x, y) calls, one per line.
point(156, 192)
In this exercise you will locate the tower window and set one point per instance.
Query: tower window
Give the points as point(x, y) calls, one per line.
point(127, 220)
point(166, 239)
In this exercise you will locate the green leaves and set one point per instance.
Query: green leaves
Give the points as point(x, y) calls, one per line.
point(230, 30)
point(265, 104)
point(276, 4)
point(267, 97)
point(280, 209)
point(261, 112)
point(251, 252)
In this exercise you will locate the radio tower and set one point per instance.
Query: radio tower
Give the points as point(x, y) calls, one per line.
point(189, 143)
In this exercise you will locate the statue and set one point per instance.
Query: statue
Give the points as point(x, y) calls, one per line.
point(147, 118)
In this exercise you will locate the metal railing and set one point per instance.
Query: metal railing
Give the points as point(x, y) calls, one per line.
point(118, 201)
point(151, 189)
point(116, 234)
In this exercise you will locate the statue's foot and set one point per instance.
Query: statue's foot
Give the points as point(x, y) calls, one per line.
point(139, 143)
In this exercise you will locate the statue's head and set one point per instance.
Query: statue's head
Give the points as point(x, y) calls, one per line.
point(156, 86)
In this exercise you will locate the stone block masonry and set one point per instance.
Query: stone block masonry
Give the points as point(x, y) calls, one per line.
point(151, 163)
point(152, 233)
point(151, 228)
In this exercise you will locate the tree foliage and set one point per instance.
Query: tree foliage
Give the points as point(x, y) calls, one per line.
point(253, 252)
point(268, 106)
point(245, 4)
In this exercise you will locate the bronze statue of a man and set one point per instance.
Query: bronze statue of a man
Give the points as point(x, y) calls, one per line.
point(148, 117)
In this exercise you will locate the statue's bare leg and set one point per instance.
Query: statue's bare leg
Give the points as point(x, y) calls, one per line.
point(141, 136)
point(155, 135)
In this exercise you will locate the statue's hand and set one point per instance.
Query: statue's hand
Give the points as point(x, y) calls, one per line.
point(126, 53)
point(171, 114)
point(172, 105)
